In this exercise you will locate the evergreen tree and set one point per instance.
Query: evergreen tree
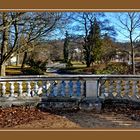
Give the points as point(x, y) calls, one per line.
point(66, 48)
point(92, 46)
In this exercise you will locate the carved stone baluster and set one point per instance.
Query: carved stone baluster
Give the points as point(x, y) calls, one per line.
point(54, 91)
point(127, 89)
point(48, 88)
point(44, 90)
point(111, 88)
point(118, 89)
point(36, 87)
point(3, 88)
point(20, 90)
point(63, 88)
point(78, 88)
point(11, 89)
point(102, 92)
point(135, 90)
point(52, 88)
point(83, 88)
point(70, 88)
point(29, 89)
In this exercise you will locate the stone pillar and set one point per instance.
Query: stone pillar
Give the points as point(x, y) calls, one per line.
point(91, 89)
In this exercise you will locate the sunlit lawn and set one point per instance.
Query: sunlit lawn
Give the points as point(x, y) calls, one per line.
point(78, 64)
point(14, 70)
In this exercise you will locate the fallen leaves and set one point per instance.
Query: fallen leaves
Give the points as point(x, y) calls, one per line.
point(29, 117)
point(128, 108)
point(18, 115)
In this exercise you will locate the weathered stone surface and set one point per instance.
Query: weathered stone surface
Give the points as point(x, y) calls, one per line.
point(53, 103)
point(121, 103)
point(60, 99)
point(58, 103)
point(5, 104)
point(91, 104)
point(19, 101)
point(67, 103)
point(91, 89)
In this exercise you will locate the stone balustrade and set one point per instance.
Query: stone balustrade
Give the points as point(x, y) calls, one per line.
point(15, 86)
point(119, 87)
point(102, 86)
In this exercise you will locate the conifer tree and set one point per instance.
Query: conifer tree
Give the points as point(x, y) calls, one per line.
point(92, 45)
point(66, 48)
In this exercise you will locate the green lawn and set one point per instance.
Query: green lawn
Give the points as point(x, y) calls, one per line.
point(78, 64)
point(14, 70)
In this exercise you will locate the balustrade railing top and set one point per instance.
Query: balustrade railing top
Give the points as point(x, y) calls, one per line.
point(67, 77)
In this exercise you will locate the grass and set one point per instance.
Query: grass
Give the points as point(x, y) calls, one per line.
point(78, 64)
point(76, 68)
point(14, 70)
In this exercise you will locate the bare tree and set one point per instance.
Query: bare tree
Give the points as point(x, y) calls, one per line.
point(36, 27)
point(8, 19)
point(130, 25)
point(19, 30)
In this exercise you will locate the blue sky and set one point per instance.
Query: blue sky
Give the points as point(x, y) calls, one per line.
point(112, 17)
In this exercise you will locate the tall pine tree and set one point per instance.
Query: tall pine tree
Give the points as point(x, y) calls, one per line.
point(66, 48)
point(92, 46)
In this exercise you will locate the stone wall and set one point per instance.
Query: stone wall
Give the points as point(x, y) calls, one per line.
point(54, 103)
point(70, 104)
point(19, 101)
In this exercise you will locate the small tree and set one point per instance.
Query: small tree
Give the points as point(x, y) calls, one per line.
point(66, 49)
point(97, 52)
point(109, 48)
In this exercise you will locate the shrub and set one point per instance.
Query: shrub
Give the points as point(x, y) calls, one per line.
point(69, 64)
point(103, 72)
point(33, 71)
point(36, 67)
point(115, 68)
point(89, 69)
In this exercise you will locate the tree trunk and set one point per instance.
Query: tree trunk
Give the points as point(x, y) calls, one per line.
point(88, 60)
point(132, 55)
point(4, 44)
point(24, 59)
point(88, 63)
point(17, 59)
point(133, 62)
point(2, 70)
